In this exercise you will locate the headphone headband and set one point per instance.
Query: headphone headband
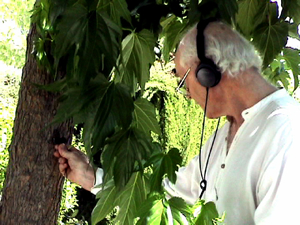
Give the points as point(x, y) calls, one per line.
point(201, 39)
point(207, 72)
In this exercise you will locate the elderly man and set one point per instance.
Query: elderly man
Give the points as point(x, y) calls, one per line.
point(249, 167)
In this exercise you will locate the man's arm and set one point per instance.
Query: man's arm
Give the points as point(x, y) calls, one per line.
point(74, 165)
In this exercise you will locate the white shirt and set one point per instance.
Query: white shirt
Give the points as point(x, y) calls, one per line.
point(260, 183)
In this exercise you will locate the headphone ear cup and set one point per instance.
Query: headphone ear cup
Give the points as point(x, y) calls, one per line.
point(207, 75)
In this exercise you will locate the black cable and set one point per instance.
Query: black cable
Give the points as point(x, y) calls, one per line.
point(202, 133)
point(211, 147)
point(203, 182)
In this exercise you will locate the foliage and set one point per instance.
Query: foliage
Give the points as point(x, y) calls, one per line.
point(15, 21)
point(106, 49)
point(180, 119)
point(9, 86)
point(6, 124)
point(69, 204)
point(269, 29)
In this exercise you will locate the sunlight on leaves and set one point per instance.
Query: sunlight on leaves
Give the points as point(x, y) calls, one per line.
point(145, 116)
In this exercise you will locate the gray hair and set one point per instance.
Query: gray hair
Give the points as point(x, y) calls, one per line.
point(231, 52)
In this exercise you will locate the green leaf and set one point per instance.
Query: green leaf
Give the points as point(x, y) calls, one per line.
point(227, 9)
point(284, 76)
point(207, 214)
point(270, 39)
point(107, 115)
point(124, 151)
point(164, 164)
point(105, 204)
point(71, 29)
point(173, 29)
point(276, 73)
point(153, 211)
point(69, 105)
point(137, 56)
point(100, 48)
point(115, 9)
point(178, 208)
point(246, 20)
point(102, 113)
point(293, 31)
point(292, 59)
point(291, 8)
point(122, 100)
point(56, 86)
point(95, 37)
point(131, 199)
point(145, 116)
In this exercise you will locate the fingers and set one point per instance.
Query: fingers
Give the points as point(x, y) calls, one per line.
point(63, 150)
point(62, 160)
point(63, 168)
point(56, 154)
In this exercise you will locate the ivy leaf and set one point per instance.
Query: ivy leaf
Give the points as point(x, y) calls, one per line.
point(131, 199)
point(122, 100)
point(69, 105)
point(115, 10)
point(123, 152)
point(293, 31)
point(153, 211)
point(57, 86)
point(102, 112)
point(71, 29)
point(292, 59)
point(178, 206)
point(137, 56)
point(107, 102)
point(276, 73)
point(105, 204)
point(283, 77)
point(96, 38)
point(291, 8)
point(227, 9)
point(207, 214)
point(164, 164)
point(270, 39)
point(144, 113)
point(100, 48)
point(173, 28)
point(248, 9)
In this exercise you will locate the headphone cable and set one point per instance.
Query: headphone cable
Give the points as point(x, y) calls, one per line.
point(203, 183)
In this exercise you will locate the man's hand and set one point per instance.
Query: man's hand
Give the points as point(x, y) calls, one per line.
point(74, 165)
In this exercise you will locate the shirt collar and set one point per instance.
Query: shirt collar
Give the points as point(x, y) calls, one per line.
point(248, 113)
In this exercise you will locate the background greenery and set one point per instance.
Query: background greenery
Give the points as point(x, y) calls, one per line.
point(179, 120)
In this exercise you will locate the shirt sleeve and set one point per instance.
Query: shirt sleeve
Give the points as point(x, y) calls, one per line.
point(187, 185)
point(98, 181)
point(278, 194)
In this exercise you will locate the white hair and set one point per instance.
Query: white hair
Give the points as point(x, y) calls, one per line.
point(231, 52)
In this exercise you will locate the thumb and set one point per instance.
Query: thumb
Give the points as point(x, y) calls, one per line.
point(63, 151)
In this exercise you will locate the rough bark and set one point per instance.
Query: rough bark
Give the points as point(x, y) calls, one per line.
point(32, 189)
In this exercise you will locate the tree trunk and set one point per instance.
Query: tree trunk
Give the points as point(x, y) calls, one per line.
point(32, 189)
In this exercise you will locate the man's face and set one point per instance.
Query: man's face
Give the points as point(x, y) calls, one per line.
point(197, 92)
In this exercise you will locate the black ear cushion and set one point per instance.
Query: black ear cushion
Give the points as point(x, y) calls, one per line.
point(207, 75)
point(207, 72)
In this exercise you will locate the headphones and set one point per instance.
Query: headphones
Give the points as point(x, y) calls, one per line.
point(207, 72)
